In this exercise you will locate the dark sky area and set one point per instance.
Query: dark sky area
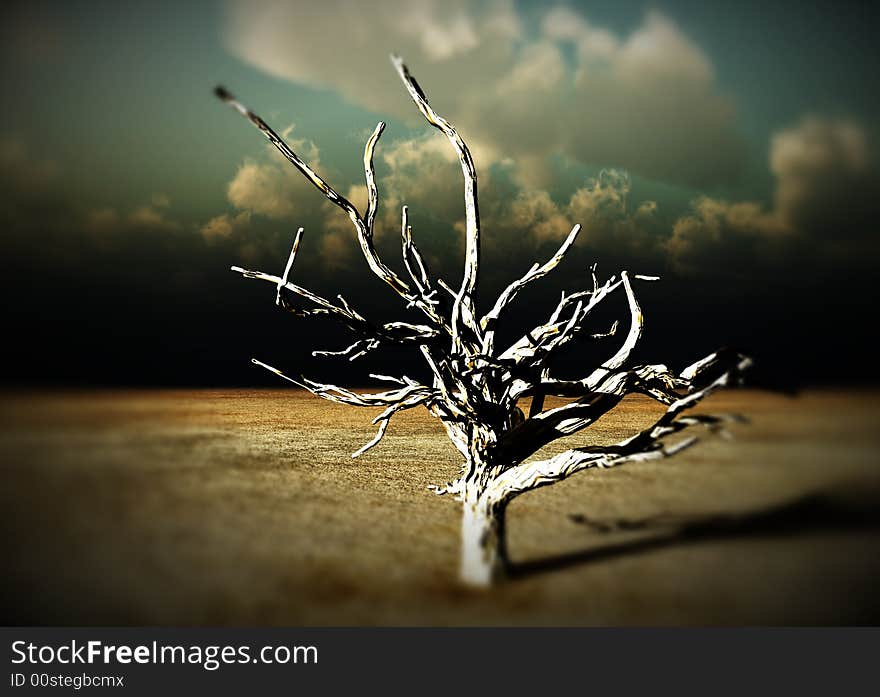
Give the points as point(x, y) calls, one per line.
point(730, 148)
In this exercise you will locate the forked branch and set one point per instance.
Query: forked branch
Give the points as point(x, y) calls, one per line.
point(645, 445)
point(363, 225)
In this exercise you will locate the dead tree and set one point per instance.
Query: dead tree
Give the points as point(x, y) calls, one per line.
point(476, 387)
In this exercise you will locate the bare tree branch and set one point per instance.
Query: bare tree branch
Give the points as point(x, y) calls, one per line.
point(488, 322)
point(465, 296)
point(652, 380)
point(362, 227)
point(412, 256)
point(373, 335)
point(536, 344)
point(645, 445)
point(632, 337)
point(370, 175)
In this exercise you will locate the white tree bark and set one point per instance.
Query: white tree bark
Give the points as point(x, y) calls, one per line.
point(483, 543)
point(475, 387)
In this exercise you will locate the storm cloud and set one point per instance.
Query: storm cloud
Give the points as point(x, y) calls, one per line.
point(825, 207)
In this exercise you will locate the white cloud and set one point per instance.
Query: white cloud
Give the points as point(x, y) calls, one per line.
point(440, 38)
point(659, 51)
point(645, 101)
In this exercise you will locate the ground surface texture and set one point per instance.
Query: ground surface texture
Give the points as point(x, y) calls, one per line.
point(244, 507)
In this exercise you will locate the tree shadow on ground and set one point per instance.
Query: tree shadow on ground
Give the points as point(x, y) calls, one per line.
point(815, 512)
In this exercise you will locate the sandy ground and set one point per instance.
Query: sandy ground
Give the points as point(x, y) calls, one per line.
point(244, 507)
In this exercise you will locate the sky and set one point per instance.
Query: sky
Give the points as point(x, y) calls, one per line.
point(728, 148)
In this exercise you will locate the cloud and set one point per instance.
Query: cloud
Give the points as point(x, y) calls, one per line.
point(34, 196)
point(612, 226)
point(424, 174)
point(272, 186)
point(53, 233)
point(826, 177)
point(649, 105)
point(337, 244)
point(441, 39)
point(148, 216)
point(722, 236)
point(262, 33)
point(224, 226)
point(646, 101)
point(826, 204)
point(151, 216)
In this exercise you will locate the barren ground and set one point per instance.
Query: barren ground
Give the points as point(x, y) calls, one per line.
point(244, 507)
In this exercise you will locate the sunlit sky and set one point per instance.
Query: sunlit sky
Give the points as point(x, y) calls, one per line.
point(737, 139)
